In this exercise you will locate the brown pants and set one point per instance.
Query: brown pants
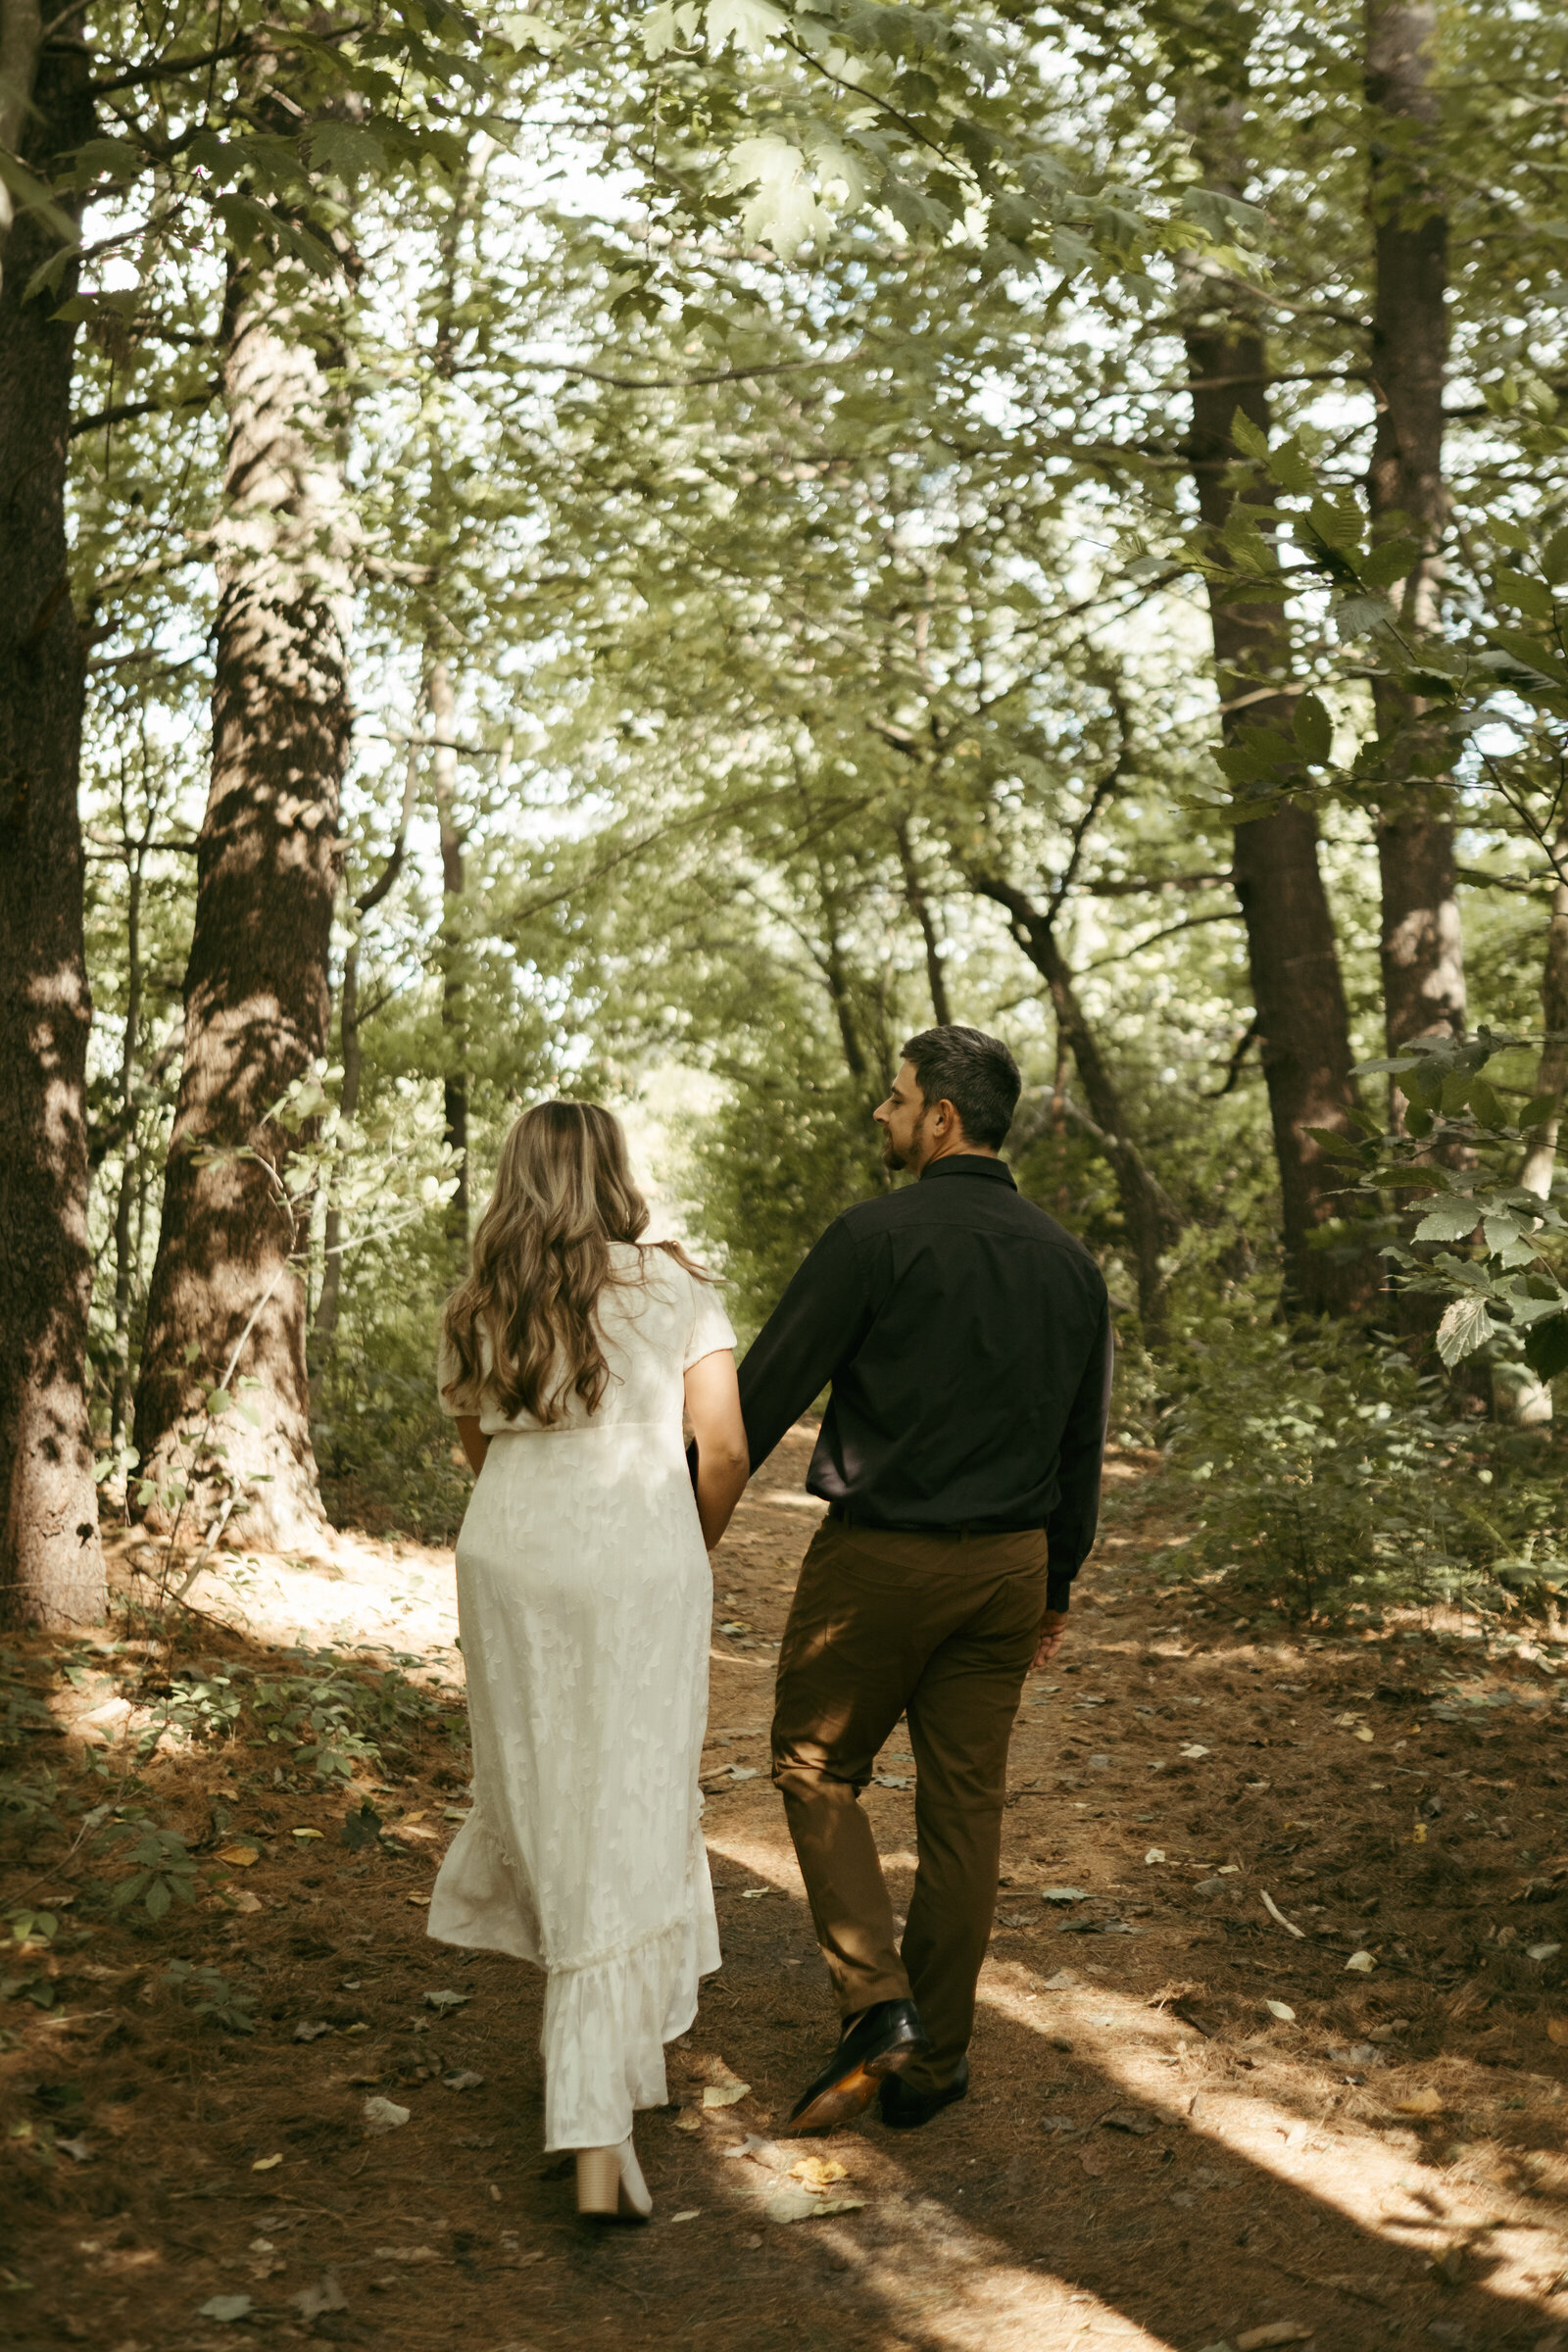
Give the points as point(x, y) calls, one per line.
point(940, 1628)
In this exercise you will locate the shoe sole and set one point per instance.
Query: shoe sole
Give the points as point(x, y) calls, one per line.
point(851, 2094)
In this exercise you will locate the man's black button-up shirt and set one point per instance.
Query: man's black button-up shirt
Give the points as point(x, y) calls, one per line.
point(967, 1339)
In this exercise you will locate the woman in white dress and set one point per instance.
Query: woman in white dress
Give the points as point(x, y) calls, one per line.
point(585, 1602)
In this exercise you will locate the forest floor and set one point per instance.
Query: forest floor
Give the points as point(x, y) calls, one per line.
point(1188, 2125)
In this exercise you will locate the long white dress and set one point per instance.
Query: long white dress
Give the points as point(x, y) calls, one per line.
point(585, 1602)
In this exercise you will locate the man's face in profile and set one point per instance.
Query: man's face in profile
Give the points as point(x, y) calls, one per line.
point(901, 1119)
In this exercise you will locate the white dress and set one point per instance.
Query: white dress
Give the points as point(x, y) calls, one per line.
point(585, 1602)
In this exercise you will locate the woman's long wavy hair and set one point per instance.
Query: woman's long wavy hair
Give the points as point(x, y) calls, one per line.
point(541, 1258)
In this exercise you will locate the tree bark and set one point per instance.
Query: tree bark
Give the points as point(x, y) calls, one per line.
point(443, 708)
point(256, 987)
point(1152, 1221)
point(1552, 1074)
point(51, 1565)
point(135, 853)
point(1421, 939)
point(920, 906)
point(1304, 1026)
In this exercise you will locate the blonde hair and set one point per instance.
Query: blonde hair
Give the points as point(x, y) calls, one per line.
point(564, 1194)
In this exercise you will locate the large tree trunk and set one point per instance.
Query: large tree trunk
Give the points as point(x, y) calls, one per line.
point(1552, 1074)
point(1152, 1221)
point(1304, 1027)
point(227, 1289)
point(51, 1566)
point(1422, 946)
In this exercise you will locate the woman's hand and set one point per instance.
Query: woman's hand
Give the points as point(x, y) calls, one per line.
point(723, 1461)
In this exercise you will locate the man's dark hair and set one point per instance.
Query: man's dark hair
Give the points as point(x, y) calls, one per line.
point(975, 1073)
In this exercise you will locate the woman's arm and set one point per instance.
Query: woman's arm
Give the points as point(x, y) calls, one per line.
point(724, 1465)
point(471, 1438)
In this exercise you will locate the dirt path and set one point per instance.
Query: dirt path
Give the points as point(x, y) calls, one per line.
point(1188, 2123)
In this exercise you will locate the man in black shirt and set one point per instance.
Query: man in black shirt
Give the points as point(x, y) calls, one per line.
point(968, 1340)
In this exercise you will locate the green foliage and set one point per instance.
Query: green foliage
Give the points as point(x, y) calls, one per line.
point(1330, 1478)
point(162, 1868)
point(225, 2004)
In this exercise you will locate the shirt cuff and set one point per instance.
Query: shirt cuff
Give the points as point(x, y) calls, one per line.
point(1059, 1589)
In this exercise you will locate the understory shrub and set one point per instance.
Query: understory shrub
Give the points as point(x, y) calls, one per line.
point(1329, 1476)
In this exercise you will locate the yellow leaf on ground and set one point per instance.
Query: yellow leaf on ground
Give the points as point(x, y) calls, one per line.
point(818, 2172)
point(267, 2164)
point(417, 1898)
point(307, 1833)
point(238, 1857)
point(1425, 2101)
point(688, 2120)
point(725, 2094)
point(1557, 2029)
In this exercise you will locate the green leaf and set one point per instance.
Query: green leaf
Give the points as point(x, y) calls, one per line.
point(1538, 1109)
point(347, 150)
point(1314, 729)
point(1467, 1324)
point(1391, 563)
point(158, 1898)
point(219, 1400)
point(1554, 557)
point(1546, 1347)
point(1485, 1105)
point(750, 23)
point(1449, 1221)
point(1527, 595)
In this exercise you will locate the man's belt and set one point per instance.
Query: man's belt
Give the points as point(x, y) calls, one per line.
point(847, 1515)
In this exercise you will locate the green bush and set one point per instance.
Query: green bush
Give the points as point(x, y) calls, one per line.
point(1331, 1477)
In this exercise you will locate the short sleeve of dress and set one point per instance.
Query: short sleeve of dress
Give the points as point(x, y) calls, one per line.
point(711, 1329)
point(462, 1400)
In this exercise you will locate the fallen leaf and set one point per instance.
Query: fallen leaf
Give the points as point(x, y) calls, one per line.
point(311, 2030)
point(1364, 1732)
point(452, 1813)
point(692, 2213)
point(1092, 2161)
point(818, 2172)
point(1155, 1853)
point(688, 2120)
point(1277, 2331)
point(1063, 1981)
point(361, 1828)
point(307, 1834)
point(1425, 2101)
point(1360, 1964)
point(444, 2003)
point(267, 2164)
point(1130, 2118)
point(893, 1780)
point(76, 2150)
point(742, 1772)
point(464, 2081)
point(384, 2114)
point(1193, 1750)
point(325, 2296)
point(725, 2094)
point(1062, 1895)
point(1282, 2010)
point(1557, 2029)
point(227, 2307)
point(754, 1894)
point(1542, 1951)
point(417, 1898)
point(1418, 1836)
point(407, 2254)
point(798, 2205)
point(238, 1857)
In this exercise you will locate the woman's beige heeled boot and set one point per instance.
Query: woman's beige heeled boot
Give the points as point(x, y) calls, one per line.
point(611, 2187)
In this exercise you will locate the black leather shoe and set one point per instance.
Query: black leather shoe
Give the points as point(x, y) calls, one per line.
point(874, 2045)
point(905, 2109)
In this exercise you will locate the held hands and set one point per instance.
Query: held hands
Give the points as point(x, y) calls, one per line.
point(1052, 1633)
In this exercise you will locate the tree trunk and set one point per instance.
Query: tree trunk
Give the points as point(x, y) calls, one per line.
point(126, 1200)
point(1421, 943)
point(227, 1277)
point(443, 708)
point(51, 1565)
point(920, 906)
point(1304, 1027)
point(1152, 1221)
point(1552, 1076)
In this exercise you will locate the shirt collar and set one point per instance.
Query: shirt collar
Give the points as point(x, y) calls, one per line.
point(969, 1163)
